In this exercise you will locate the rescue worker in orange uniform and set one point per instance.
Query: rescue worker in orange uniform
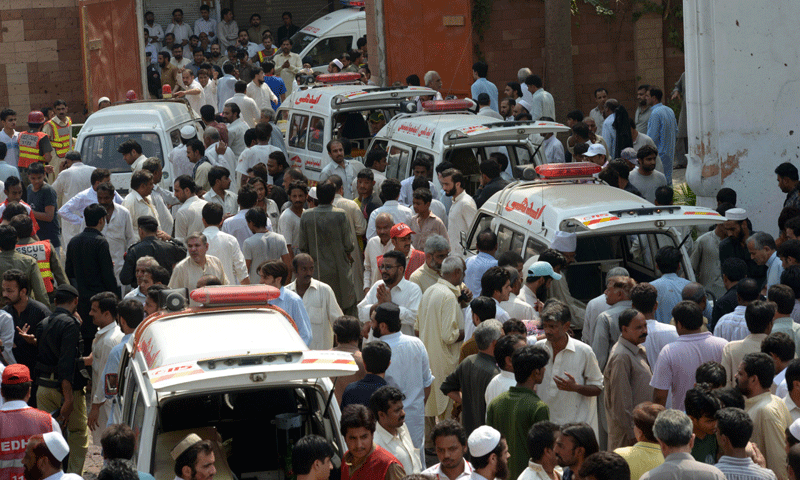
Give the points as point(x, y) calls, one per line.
point(59, 130)
point(42, 251)
point(34, 146)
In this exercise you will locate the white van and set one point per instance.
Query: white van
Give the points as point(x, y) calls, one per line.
point(326, 38)
point(235, 371)
point(447, 130)
point(316, 115)
point(613, 227)
point(154, 124)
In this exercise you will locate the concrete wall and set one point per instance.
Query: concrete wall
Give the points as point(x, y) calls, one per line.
point(743, 85)
point(40, 58)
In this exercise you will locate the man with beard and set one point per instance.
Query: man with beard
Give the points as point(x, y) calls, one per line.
point(391, 433)
point(217, 59)
point(769, 413)
point(26, 313)
point(43, 457)
point(645, 177)
point(575, 442)
point(627, 369)
point(376, 247)
point(462, 211)
point(450, 443)
point(287, 63)
point(436, 250)
point(194, 458)
point(642, 114)
point(393, 288)
point(409, 371)
point(738, 228)
point(489, 454)
point(540, 275)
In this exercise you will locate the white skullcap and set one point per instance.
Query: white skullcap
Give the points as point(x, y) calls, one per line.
point(483, 440)
point(188, 131)
point(56, 444)
point(313, 193)
point(737, 214)
point(184, 445)
point(103, 99)
point(595, 149)
point(565, 242)
point(338, 63)
point(525, 104)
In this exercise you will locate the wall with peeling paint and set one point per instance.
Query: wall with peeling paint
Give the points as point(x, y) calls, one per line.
point(743, 100)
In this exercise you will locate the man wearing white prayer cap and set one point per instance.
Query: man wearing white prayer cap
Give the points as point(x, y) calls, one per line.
point(737, 226)
point(44, 456)
point(522, 106)
point(489, 453)
point(194, 458)
point(565, 243)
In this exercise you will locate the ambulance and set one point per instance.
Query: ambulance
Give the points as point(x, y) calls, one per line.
point(233, 370)
point(337, 106)
point(614, 228)
point(449, 130)
point(326, 38)
point(154, 124)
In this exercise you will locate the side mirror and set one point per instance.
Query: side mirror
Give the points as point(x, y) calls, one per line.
point(112, 384)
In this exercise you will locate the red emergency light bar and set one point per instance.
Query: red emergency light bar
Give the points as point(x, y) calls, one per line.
point(447, 105)
point(353, 3)
point(235, 295)
point(562, 170)
point(338, 77)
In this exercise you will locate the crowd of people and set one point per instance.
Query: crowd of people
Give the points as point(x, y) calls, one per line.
point(486, 362)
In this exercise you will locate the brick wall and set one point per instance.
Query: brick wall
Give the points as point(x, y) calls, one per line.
point(616, 53)
point(40, 58)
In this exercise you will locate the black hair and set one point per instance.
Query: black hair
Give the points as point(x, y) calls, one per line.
point(528, 359)
point(730, 397)
point(356, 416)
point(760, 365)
point(657, 93)
point(106, 302)
point(449, 428)
point(118, 441)
point(217, 173)
point(782, 296)
point(390, 189)
point(117, 469)
point(504, 347)
point(142, 177)
point(129, 145)
point(700, 402)
point(481, 69)
point(541, 436)
point(377, 356)
point(711, 373)
point(668, 259)
point(735, 269)
point(787, 170)
point(484, 307)
point(18, 276)
point(380, 399)
point(688, 314)
point(490, 168)
point(487, 240)
point(758, 315)
point(605, 466)
point(493, 280)
point(132, 311)
point(93, 214)
point(189, 456)
point(748, 289)
point(582, 435)
point(779, 344)
point(726, 195)
point(257, 216)
point(347, 329)
point(307, 450)
point(212, 213)
point(664, 195)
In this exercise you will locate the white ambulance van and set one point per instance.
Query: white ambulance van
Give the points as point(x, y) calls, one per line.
point(234, 371)
point(613, 227)
point(326, 38)
point(448, 130)
point(331, 109)
point(154, 124)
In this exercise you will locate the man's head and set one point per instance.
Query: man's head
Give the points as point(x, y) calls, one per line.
point(761, 246)
point(779, 346)
point(219, 177)
point(646, 157)
point(539, 276)
point(142, 182)
point(377, 356)
point(755, 374)
point(336, 151)
point(303, 266)
point(358, 427)
point(783, 298)
point(528, 363)
point(604, 466)
point(393, 267)
point(450, 442)
point(177, 52)
point(104, 309)
point(711, 373)
point(43, 455)
point(633, 326)
point(16, 383)
point(734, 429)
point(668, 259)
point(654, 96)
point(346, 330)
point(489, 452)
point(618, 289)
point(15, 286)
point(401, 238)
point(574, 443)
point(673, 429)
point(644, 416)
point(556, 319)
point(688, 317)
point(542, 441)
point(747, 290)
point(486, 335)
point(596, 154)
point(506, 346)
point(644, 298)
point(365, 183)
point(433, 80)
point(194, 459)
point(437, 248)
point(701, 406)
point(311, 456)
point(197, 245)
point(383, 226)
point(13, 189)
point(118, 441)
point(787, 177)
point(387, 320)
point(496, 283)
point(386, 404)
point(452, 181)
point(479, 70)
point(759, 315)
point(274, 273)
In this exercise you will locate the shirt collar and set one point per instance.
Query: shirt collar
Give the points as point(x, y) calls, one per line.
point(772, 259)
point(107, 328)
point(14, 405)
point(635, 349)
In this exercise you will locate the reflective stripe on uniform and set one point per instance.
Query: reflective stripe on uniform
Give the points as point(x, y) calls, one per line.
point(29, 148)
point(61, 137)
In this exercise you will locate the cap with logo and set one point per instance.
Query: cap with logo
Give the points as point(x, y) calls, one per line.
point(400, 230)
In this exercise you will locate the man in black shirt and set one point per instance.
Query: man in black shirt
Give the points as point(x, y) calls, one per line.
point(90, 268)
point(61, 374)
point(27, 313)
point(166, 253)
point(733, 270)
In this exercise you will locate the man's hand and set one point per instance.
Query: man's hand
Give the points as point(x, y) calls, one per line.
point(48, 168)
point(365, 328)
point(214, 73)
point(179, 94)
point(286, 64)
point(162, 235)
point(567, 384)
point(28, 337)
point(384, 294)
point(221, 147)
point(94, 415)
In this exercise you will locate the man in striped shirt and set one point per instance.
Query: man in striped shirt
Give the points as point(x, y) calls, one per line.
point(734, 428)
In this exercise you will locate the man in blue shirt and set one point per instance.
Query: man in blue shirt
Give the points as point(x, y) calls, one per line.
point(276, 274)
point(481, 85)
point(274, 83)
point(662, 128)
point(670, 285)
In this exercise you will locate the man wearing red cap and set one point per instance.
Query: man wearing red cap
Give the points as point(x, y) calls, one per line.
point(400, 235)
point(18, 421)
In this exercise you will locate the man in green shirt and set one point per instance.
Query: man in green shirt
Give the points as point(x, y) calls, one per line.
point(701, 406)
point(10, 258)
point(514, 412)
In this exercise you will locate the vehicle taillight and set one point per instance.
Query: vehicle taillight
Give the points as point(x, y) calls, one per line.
point(447, 105)
point(353, 3)
point(235, 295)
point(338, 77)
point(561, 170)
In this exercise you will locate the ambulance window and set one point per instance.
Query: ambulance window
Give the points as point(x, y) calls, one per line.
point(316, 134)
point(137, 421)
point(297, 133)
point(484, 222)
point(379, 144)
point(398, 163)
point(175, 136)
point(425, 156)
point(533, 248)
point(522, 155)
point(509, 240)
point(329, 48)
point(283, 115)
point(100, 151)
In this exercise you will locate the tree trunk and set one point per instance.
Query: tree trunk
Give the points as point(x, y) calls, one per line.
point(558, 77)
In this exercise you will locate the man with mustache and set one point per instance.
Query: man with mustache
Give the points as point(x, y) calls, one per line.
point(627, 369)
point(489, 454)
point(540, 275)
point(391, 433)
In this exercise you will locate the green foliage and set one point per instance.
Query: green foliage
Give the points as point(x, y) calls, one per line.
point(601, 7)
point(683, 195)
point(481, 16)
point(672, 13)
